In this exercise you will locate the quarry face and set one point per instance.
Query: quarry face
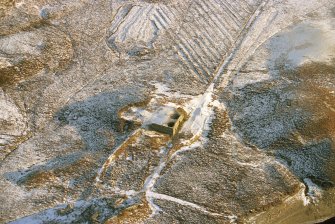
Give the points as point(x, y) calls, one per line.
point(82, 82)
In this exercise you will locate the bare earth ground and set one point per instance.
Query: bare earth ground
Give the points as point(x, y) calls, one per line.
point(80, 80)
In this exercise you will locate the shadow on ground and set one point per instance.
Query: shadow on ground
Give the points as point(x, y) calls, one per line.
point(71, 175)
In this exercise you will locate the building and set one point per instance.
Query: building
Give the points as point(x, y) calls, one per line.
point(168, 120)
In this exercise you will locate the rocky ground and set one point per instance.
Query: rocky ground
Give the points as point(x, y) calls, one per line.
point(81, 79)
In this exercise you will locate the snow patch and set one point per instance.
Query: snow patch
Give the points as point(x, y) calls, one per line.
point(51, 215)
point(305, 42)
point(201, 110)
point(158, 109)
point(164, 90)
point(181, 202)
point(152, 179)
point(314, 191)
point(232, 218)
point(186, 148)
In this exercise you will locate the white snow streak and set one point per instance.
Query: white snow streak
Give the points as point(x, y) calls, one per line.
point(181, 202)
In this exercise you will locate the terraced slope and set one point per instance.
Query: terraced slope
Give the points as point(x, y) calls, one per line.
point(208, 32)
point(201, 32)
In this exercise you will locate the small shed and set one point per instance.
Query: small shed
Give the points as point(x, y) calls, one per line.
point(168, 120)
